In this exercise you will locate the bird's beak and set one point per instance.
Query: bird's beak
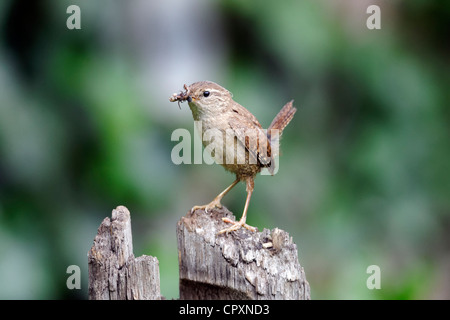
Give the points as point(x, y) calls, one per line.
point(189, 98)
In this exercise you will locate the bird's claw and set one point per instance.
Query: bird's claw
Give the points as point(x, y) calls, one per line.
point(236, 225)
point(207, 207)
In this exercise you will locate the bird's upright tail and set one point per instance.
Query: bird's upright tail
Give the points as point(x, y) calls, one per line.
point(280, 122)
point(283, 117)
point(275, 130)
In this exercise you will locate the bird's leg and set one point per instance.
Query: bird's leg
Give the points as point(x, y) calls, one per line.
point(216, 202)
point(241, 223)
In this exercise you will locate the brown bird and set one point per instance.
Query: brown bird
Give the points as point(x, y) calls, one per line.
point(238, 141)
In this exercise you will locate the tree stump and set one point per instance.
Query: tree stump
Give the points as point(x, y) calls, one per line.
point(241, 265)
point(114, 272)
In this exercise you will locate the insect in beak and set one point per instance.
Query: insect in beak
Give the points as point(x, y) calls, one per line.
point(182, 96)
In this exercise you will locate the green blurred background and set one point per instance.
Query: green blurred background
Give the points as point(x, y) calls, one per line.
point(85, 125)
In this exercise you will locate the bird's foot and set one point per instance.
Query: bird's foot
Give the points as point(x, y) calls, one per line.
point(208, 207)
point(236, 225)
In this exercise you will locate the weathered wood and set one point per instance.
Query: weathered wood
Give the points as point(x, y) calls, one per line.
point(114, 272)
point(240, 265)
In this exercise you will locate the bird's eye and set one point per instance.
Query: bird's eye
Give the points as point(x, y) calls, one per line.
point(206, 94)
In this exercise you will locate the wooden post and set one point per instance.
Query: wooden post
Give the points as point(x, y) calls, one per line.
point(240, 265)
point(114, 272)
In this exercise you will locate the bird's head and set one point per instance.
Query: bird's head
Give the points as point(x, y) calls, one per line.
point(204, 98)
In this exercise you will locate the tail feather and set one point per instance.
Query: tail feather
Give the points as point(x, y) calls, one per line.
point(280, 122)
point(283, 117)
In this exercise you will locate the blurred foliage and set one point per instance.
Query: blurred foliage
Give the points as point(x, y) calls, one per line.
point(85, 125)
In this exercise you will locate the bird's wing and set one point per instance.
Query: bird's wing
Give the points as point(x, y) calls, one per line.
point(250, 134)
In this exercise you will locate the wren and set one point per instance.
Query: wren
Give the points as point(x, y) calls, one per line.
point(244, 148)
